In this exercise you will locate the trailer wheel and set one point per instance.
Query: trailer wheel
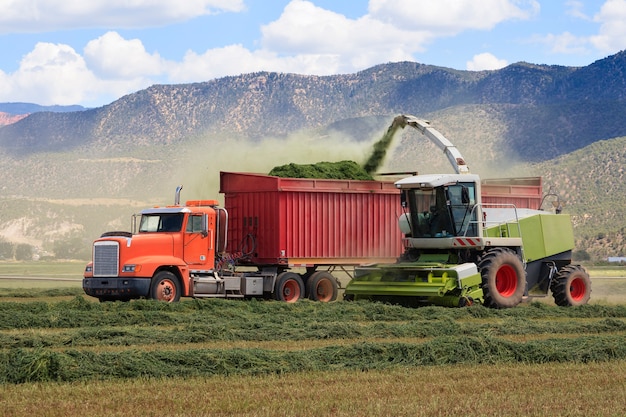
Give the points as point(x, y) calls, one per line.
point(571, 286)
point(289, 287)
point(503, 276)
point(165, 287)
point(322, 286)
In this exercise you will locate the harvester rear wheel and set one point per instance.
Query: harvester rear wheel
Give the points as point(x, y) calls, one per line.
point(503, 276)
point(571, 286)
point(165, 287)
point(322, 286)
point(289, 287)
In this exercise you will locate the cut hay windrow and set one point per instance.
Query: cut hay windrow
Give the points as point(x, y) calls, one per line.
point(41, 365)
point(232, 331)
point(81, 340)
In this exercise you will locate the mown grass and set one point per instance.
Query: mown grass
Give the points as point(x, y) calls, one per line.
point(72, 340)
point(563, 389)
point(64, 354)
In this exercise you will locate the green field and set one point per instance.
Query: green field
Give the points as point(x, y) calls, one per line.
point(63, 354)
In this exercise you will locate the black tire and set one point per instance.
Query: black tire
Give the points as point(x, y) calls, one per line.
point(117, 233)
point(289, 287)
point(571, 286)
point(165, 287)
point(503, 278)
point(322, 286)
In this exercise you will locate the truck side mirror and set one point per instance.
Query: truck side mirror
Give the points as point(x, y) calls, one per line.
point(205, 225)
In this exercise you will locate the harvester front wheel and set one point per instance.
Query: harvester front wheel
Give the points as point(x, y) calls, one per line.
point(165, 287)
point(503, 277)
point(571, 286)
point(322, 286)
point(289, 287)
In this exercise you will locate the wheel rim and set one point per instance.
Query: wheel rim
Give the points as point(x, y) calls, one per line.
point(291, 291)
point(324, 290)
point(506, 280)
point(166, 291)
point(577, 289)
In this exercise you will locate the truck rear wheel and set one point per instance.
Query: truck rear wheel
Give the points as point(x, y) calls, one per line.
point(571, 286)
point(289, 287)
point(503, 276)
point(322, 286)
point(165, 287)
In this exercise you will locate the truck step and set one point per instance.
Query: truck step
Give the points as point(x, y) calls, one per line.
point(218, 295)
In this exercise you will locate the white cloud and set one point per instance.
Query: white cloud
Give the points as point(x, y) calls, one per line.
point(447, 17)
point(235, 59)
point(229, 60)
point(111, 56)
point(575, 9)
point(394, 30)
point(565, 43)
point(485, 61)
point(612, 34)
point(310, 33)
point(47, 72)
point(610, 38)
point(57, 74)
point(47, 15)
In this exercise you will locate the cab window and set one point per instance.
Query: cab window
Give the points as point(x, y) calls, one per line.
point(194, 224)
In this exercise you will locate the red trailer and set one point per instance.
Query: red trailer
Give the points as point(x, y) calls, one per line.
point(278, 223)
point(311, 222)
point(524, 192)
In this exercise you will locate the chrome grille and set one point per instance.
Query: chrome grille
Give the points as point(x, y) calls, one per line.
point(106, 259)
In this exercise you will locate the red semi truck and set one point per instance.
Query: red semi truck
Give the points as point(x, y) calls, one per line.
point(268, 228)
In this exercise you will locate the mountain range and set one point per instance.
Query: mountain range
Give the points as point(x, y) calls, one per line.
point(77, 173)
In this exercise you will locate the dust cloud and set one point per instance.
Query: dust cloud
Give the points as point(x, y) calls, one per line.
point(201, 174)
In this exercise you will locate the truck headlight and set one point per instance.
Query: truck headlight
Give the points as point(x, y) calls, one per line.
point(89, 268)
point(131, 268)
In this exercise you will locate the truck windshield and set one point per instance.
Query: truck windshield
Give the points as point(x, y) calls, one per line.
point(164, 222)
point(442, 211)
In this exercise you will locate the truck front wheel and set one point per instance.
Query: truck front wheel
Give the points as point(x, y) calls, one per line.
point(571, 286)
point(165, 287)
point(503, 276)
point(289, 287)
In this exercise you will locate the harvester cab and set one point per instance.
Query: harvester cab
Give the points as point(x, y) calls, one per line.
point(439, 206)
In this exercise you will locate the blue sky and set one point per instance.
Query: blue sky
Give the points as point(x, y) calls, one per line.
point(93, 52)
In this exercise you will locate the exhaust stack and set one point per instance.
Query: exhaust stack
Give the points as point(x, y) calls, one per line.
point(177, 196)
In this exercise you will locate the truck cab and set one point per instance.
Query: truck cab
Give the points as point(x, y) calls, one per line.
point(157, 259)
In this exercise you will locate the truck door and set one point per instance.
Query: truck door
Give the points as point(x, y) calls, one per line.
point(198, 248)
